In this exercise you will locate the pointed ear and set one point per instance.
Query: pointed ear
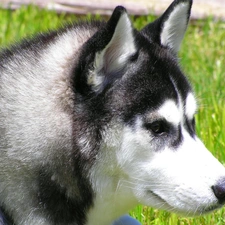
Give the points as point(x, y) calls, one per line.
point(170, 28)
point(118, 45)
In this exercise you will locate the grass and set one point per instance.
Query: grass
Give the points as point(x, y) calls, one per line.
point(202, 57)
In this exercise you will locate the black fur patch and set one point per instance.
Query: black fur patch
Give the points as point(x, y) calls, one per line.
point(178, 138)
point(60, 208)
point(5, 219)
point(190, 126)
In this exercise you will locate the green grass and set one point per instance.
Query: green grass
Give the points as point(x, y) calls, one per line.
point(202, 57)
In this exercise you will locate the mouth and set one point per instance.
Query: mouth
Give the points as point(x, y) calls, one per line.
point(163, 204)
point(211, 208)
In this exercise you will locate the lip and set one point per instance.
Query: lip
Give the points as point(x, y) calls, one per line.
point(212, 208)
point(161, 200)
point(197, 212)
point(157, 196)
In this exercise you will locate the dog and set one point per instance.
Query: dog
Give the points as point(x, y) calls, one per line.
point(98, 117)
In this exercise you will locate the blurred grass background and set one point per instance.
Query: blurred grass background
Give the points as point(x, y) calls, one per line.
point(202, 57)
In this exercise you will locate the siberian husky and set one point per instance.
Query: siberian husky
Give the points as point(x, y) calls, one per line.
point(98, 117)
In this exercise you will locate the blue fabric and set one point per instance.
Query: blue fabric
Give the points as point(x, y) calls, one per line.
point(126, 220)
point(3, 220)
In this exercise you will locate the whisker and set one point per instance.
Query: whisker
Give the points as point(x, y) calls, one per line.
point(127, 183)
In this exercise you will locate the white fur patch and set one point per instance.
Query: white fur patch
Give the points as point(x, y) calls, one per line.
point(170, 112)
point(174, 28)
point(113, 198)
point(181, 180)
point(191, 106)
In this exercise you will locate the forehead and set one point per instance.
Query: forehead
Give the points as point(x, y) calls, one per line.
point(155, 82)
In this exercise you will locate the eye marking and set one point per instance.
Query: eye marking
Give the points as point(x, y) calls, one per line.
point(170, 112)
point(191, 106)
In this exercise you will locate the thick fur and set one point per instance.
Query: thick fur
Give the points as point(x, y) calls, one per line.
point(97, 118)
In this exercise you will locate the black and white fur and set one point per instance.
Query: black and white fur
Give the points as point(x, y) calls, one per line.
point(98, 117)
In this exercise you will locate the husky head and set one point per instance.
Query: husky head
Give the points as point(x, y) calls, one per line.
point(142, 108)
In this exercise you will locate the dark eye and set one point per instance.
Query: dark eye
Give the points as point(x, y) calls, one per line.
point(157, 127)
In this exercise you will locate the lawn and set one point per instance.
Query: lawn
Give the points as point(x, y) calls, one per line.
point(202, 57)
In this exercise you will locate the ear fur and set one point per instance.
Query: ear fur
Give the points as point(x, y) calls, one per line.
point(110, 61)
point(170, 28)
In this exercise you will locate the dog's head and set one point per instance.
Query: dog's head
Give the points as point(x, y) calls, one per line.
point(145, 108)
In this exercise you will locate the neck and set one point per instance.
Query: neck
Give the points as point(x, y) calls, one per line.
point(113, 199)
point(109, 208)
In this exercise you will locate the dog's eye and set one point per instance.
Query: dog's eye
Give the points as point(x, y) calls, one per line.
point(157, 127)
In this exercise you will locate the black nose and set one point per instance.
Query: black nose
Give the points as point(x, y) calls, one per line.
point(219, 191)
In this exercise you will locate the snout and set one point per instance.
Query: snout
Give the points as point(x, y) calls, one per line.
point(219, 191)
point(193, 179)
